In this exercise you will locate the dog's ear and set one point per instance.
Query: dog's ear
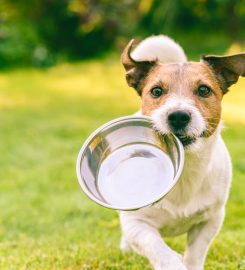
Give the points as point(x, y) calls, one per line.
point(227, 68)
point(136, 71)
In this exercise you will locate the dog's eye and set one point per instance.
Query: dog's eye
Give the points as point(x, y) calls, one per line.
point(204, 91)
point(156, 92)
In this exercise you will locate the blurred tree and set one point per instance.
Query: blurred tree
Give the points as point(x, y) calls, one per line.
point(104, 21)
point(159, 16)
point(17, 37)
point(225, 16)
point(40, 31)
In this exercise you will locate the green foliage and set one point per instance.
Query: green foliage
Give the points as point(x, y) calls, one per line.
point(46, 221)
point(18, 45)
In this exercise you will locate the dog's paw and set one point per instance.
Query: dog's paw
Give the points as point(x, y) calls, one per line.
point(124, 246)
point(171, 267)
point(194, 267)
point(171, 264)
point(179, 256)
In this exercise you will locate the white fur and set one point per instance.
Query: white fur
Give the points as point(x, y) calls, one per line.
point(159, 47)
point(160, 116)
point(195, 206)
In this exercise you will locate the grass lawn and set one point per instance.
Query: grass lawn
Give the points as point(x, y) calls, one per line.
point(46, 220)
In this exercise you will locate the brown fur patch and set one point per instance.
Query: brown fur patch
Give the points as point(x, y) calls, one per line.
point(184, 80)
point(227, 68)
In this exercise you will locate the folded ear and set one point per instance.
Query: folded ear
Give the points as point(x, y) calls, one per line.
point(227, 68)
point(136, 71)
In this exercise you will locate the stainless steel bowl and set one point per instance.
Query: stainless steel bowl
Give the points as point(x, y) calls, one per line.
point(126, 165)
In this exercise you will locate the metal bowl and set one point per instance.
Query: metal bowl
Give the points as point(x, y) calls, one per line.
point(126, 165)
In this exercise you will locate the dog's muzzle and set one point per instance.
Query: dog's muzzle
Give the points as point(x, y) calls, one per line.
point(178, 122)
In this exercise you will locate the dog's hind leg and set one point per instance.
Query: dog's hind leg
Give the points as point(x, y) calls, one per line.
point(146, 240)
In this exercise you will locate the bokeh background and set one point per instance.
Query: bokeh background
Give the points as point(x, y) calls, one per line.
point(60, 78)
point(42, 32)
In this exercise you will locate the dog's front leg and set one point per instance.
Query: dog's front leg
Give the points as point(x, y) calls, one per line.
point(199, 240)
point(146, 240)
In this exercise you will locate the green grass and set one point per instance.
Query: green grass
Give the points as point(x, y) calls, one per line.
point(46, 220)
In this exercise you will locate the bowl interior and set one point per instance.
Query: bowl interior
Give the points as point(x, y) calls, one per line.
point(126, 165)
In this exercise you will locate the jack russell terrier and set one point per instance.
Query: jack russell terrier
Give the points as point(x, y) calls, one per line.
point(184, 98)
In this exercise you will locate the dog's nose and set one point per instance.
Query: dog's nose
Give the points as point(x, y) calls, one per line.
point(179, 120)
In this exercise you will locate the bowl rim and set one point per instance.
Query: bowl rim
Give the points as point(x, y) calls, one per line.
point(82, 151)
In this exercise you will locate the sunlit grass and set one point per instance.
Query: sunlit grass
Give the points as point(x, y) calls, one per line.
point(46, 221)
point(234, 109)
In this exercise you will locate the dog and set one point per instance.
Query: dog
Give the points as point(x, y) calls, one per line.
point(184, 98)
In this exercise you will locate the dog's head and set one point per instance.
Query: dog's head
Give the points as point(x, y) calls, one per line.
point(183, 98)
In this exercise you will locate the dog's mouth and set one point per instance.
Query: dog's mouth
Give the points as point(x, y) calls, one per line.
point(182, 135)
point(185, 140)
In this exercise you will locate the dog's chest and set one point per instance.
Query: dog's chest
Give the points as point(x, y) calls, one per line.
point(172, 220)
point(172, 226)
point(203, 186)
point(182, 208)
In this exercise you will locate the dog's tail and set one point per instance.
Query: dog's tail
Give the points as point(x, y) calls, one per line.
point(159, 47)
